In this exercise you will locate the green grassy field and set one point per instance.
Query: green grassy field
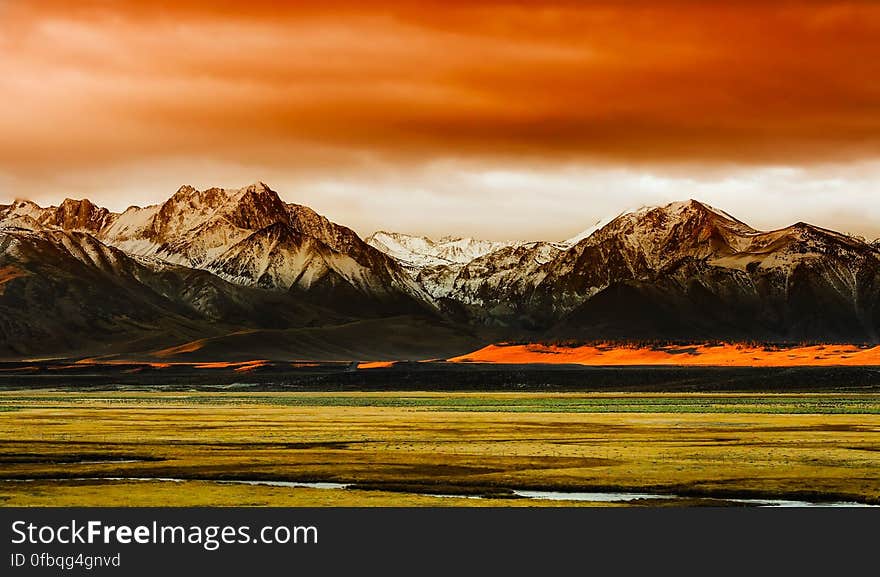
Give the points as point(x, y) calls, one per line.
point(830, 404)
point(111, 448)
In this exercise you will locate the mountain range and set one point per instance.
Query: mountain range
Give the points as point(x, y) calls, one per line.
point(239, 273)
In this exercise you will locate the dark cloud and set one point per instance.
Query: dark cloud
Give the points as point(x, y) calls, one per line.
point(335, 86)
point(771, 81)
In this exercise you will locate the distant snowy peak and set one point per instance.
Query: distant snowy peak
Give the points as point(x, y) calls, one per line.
point(131, 223)
point(668, 214)
point(78, 215)
point(470, 271)
point(20, 207)
point(22, 214)
point(419, 251)
point(688, 242)
point(216, 219)
point(408, 249)
point(194, 226)
point(191, 211)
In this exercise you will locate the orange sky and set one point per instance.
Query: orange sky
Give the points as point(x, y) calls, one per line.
point(328, 101)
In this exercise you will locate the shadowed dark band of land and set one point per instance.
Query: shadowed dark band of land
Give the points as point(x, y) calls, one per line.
point(437, 376)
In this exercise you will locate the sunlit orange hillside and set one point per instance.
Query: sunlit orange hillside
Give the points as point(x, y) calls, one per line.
point(731, 355)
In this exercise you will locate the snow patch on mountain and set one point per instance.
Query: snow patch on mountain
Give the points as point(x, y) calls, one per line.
point(21, 208)
point(455, 267)
point(416, 252)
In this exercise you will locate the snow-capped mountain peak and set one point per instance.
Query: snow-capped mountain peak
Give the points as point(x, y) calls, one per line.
point(247, 236)
point(662, 271)
point(420, 251)
point(674, 209)
point(23, 211)
point(79, 215)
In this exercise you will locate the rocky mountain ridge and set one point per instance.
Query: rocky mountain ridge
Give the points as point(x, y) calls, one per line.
point(681, 271)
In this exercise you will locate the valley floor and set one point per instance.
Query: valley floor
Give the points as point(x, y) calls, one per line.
point(413, 449)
